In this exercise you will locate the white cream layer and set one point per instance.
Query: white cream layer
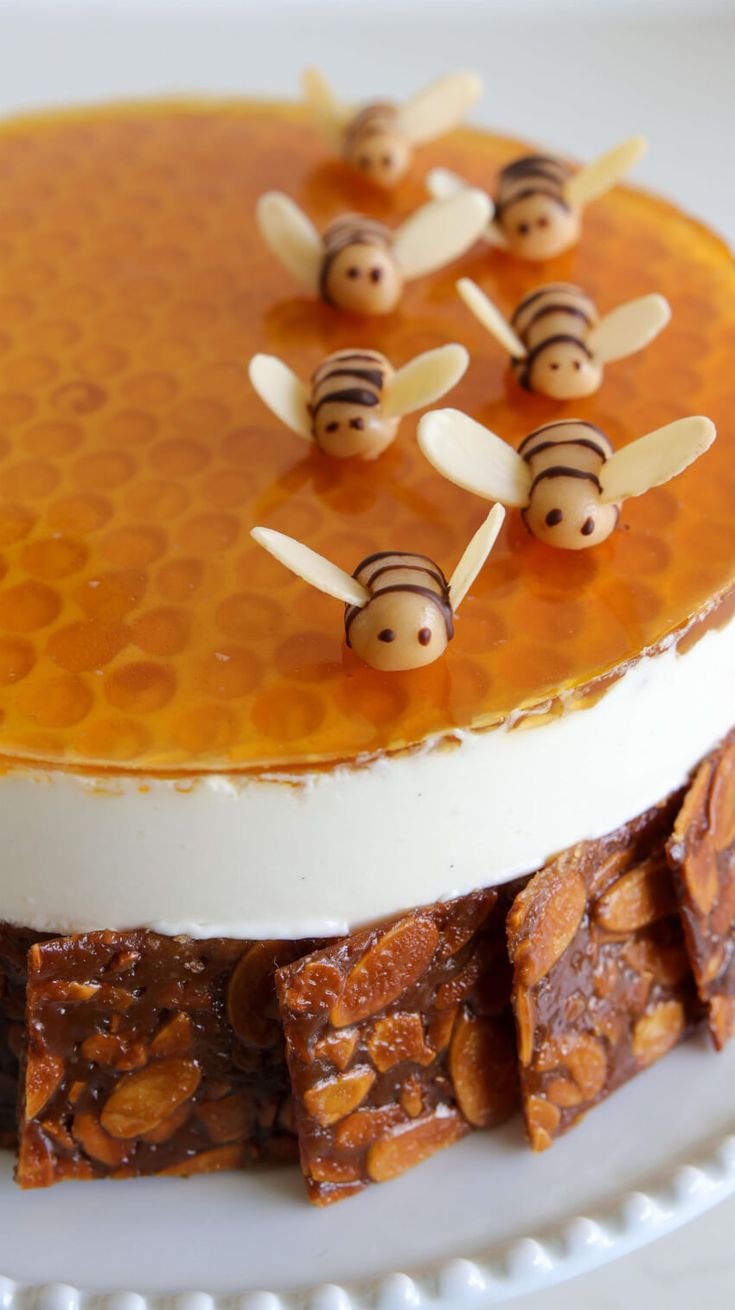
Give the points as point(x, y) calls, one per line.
point(257, 858)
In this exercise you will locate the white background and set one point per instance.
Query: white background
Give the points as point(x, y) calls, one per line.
point(577, 74)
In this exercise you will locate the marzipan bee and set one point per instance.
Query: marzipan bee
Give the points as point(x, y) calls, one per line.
point(565, 476)
point(359, 264)
point(540, 198)
point(379, 138)
point(557, 342)
point(356, 399)
point(399, 607)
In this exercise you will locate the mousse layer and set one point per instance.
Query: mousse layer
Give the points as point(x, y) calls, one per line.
point(327, 852)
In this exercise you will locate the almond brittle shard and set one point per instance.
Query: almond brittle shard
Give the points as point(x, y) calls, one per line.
point(602, 986)
point(399, 1041)
point(702, 854)
point(152, 1055)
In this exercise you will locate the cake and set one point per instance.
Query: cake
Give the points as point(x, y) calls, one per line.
point(258, 896)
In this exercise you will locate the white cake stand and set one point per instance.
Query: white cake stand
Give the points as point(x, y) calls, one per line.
point(479, 1225)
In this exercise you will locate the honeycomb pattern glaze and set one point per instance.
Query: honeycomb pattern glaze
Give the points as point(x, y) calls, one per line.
point(140, 628)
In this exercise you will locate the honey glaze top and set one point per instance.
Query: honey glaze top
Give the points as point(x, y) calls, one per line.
point(140, 627)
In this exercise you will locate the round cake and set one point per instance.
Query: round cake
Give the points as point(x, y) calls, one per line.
point(193, 757)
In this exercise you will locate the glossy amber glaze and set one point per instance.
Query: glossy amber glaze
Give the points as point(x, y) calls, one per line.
point(140, 627)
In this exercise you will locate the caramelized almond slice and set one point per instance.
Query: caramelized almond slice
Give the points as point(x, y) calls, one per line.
point(324, 1170)
point(701, 877)
point(544, 919)
point(334, 1098)
point(411, 1097)
point(229, 1119)
point(722, 1019)
point(337, 1048)
point(457, 988)
point(362, 1127)
point(411, 1143)
point(174, 1038)
point(206, 1162)
point(525, 1024)
point(115, 1050)
point(44, 1074)
point(314, 987)
point(542, 1120)
point(144, 1099)
point(657, 1032)
point(69, 992)
point(563, 1092)
point(639, 898)
point(164, 1131)
point(465, 921)
point(439, 1027)
point(94, 1141)
point(389, 966)
point(722, 802)
point(251, 994)
point(580, 1056)
point(398, 1037)
point(483, 1069)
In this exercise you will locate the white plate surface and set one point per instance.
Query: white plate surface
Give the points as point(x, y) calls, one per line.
point(480, 1224)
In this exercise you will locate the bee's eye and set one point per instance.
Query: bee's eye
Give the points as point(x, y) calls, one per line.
point(376, 274)
point(587, 527)
point(387, 634)
point(424, 636)
point(353, 272)
point(542, 222)
point(331, 427)
point(554, 517)
point(523, 229)
point(358, 423)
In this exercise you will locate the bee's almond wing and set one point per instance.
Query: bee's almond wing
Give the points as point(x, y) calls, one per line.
point(655, 458)
point(439, 107)
point(291, 236)
point(314, 569)
point(424, 379)
point(473, 457)
point(628, 328)
point(441, 231)
point(283, 392)
point(595, 179)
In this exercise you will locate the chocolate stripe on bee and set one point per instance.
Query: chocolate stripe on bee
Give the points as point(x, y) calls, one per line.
point(345, 357)
point(393, 568)
point(442, 603)
point(372, 375)
point(557, 445)
point(563, 423)
point(350, 396)
point(532, 175)
point(535, 164)
point(526, 362)
point(556, 196)
point(396, 554)
point(563, 471)
point(351, 613)
point(555, 307)
point(350, 230)
point(370, 121)
point(550, 288)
